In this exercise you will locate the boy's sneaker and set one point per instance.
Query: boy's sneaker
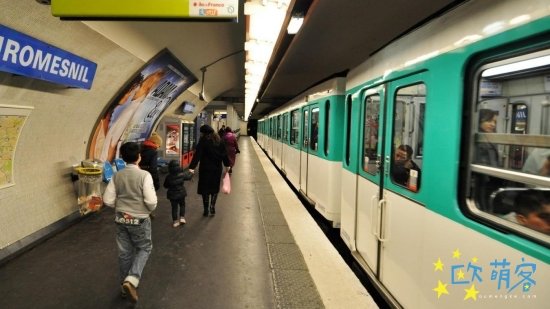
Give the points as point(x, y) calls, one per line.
point(176, 224)
point(182, 220)
point(130, 290)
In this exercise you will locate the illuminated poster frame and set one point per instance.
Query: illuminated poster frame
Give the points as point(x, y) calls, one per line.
point(136, 109)
point(173, 139)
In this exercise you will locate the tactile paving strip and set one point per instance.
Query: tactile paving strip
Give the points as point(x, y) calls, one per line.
point(286, 256)
point(295, 289)
point(279, 234)
point(269, 204)
point(274, 218)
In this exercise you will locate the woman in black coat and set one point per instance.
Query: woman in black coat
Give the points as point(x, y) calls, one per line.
point(211, 154)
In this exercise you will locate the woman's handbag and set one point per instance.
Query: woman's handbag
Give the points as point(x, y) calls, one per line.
point(226, 184)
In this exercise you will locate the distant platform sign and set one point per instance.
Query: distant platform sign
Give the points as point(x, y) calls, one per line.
point(145, 9)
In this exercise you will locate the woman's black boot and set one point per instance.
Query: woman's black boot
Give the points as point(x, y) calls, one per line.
point(205, 202)
point(213, 204)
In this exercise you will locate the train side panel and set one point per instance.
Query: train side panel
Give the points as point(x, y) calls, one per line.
point(324, 187)
point(422, 241)
point(292, 166)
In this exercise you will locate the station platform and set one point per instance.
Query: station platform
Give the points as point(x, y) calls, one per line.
point(261, 250)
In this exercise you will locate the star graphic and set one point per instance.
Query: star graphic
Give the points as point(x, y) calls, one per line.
point(438, 265)
point(475, 259)
point(460, 274)
point(441, 289)
point(471, 293)
point(456, 254)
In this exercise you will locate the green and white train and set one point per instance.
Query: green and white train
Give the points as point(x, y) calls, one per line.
point(429, 156)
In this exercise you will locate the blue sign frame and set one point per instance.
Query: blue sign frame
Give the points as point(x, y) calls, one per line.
point(24, 55)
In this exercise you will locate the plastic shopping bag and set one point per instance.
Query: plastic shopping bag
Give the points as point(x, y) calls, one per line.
point(226, 184)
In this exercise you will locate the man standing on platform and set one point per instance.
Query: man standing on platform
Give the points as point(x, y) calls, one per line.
point(132, 193)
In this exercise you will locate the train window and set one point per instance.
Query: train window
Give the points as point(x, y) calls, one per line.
point(509, 180)
point(406, 163)
point(294, 126)
point(314, 129)
point(285, 128)
point(305, 129)
point(348, 129)
point(279, 128)
point(370, 133)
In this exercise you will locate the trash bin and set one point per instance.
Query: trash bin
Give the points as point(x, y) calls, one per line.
point(89, 189)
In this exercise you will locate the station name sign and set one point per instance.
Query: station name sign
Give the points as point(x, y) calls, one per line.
point(24, 55)
point(145, 9)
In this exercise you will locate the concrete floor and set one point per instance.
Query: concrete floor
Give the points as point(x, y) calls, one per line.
point(247, 256)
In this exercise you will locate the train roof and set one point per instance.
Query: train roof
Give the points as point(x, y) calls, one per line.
point(468, 23)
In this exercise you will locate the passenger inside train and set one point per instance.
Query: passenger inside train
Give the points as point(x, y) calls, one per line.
point(487, 153)
point(538, 162)
point(531, 208)
point(404, 171)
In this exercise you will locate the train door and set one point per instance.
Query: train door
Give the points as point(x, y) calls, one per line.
point(402, 218)
point(284, 141)
point(303, 150)
point(370, 177)
point(310, 124)
point(280, 129)
point(272, 130)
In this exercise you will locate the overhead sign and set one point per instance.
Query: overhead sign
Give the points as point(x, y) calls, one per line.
point(24, 55)
point(145, 9)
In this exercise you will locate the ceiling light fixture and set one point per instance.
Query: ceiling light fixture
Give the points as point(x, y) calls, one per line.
point(203, 70)
point(201, 94)
point(517, 66)
point(295, 24)
point(266, 18)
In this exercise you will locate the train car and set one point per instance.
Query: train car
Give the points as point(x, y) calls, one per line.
point(447, 139)
point(304, 140)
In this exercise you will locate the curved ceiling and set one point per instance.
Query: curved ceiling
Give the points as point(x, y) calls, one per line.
point(335, 36)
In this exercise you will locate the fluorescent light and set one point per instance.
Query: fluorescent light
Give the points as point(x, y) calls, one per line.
point(493, 28)
point(517, 66)
point(265, 22)
point(520, 19)
point(295, 24)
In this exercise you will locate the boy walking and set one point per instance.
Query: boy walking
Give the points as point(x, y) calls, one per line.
point(132, 193)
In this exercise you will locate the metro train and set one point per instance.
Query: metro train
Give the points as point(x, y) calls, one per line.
point(427, 155)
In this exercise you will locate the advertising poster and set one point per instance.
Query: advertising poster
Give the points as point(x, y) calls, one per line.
point(138, 106)
point(12, 120)
point(172, 139)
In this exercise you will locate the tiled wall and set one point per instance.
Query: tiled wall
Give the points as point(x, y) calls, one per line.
point(58, 129)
